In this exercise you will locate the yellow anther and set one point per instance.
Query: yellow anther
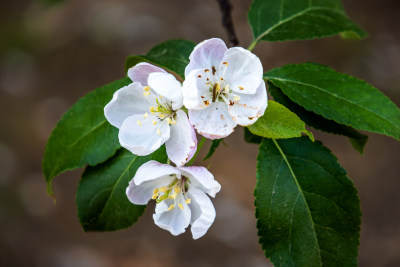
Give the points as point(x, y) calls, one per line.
point(154, 122)
point(154, 196)
point(169, 121)
point(173, 196)
point(236, 98)
point(163, 189)
point(152, 109)
point(146, 88)
point(158, 132)
point(171, 207)
point(217, 87)
point(188, 200)
point(173, 122)
point(145, 115)
point(155, 192)
point(146, 93)
point(139, 122)
point(180, 206)
point(226, 89)
point(161, 116)
point(177, 189)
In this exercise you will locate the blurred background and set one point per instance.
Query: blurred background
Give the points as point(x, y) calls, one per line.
point(52, 55)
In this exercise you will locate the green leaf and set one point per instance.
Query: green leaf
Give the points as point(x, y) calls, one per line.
point(337, 96)
point(279, 20)
point(214, 145)
point(251, 138)
point(279, 122)
point(172, 55)
point(307, 209)
point(101, 198)
point(83, 135)
point(357, 139)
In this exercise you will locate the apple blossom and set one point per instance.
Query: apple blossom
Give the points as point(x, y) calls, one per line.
point(148, 114)
point(180, 193)
point(223, 87)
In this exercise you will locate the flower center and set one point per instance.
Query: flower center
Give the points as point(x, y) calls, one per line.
point(221, 92)
point(162, 110)
point(175, 191)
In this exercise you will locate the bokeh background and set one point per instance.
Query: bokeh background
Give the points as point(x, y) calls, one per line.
point(52, 55)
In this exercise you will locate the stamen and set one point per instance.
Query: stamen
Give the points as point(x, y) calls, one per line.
point(146, 93)
point(139, 122)
point(241, 88)
point(145, 115)
point(152, 109)
point(216, 90)
point(188, 201)
point(154, 122)
point(180, 206)
point(171, 207)
point(225, 63)
point(173, 122)
point(163, 189)
point(236, 98)
point(169, 121)
point(158, 131)
point(226, 88)
point(162, 116)
point(146, 88)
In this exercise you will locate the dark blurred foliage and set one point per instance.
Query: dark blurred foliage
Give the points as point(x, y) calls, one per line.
point(50, 55)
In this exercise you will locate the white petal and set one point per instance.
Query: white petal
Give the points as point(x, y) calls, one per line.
point(127, 101)
point(176, 220)
point(206, 54)
point(141, 136)
point(249, 108)
point(202, 179)
point(182, 143)
point(214, 121)
point(140, 72)
point(141, 194)
point(242, 70)
point(203, 212)
point(152, 170)
point(196, 89)
point(167, 86)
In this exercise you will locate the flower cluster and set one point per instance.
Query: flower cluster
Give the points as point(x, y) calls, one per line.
point(223, 88)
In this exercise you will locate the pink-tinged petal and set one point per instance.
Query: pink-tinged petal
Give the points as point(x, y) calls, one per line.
point(153, 170)
point(214, 121)
point(182, 142)
point(140, 72)
point(249, 108)
point(127, 101)
point(141, 194)
point(140, 136)
point(197, 90)
point(176, 220)
point(166, 85)
point(203, 212)
point(242, 70)
point(201, 179)
point(206, 55)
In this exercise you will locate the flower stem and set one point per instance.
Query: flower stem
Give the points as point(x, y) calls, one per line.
point(252, 45)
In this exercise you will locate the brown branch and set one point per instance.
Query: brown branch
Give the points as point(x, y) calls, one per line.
point(227, 22)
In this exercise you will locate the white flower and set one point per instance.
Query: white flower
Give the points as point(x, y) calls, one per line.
point(181, 195)
point(147, 113)
point(223, 87)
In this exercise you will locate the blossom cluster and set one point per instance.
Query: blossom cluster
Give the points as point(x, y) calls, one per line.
point(222, 88)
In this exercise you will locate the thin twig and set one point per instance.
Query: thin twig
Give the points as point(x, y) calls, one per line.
point(227, 22)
